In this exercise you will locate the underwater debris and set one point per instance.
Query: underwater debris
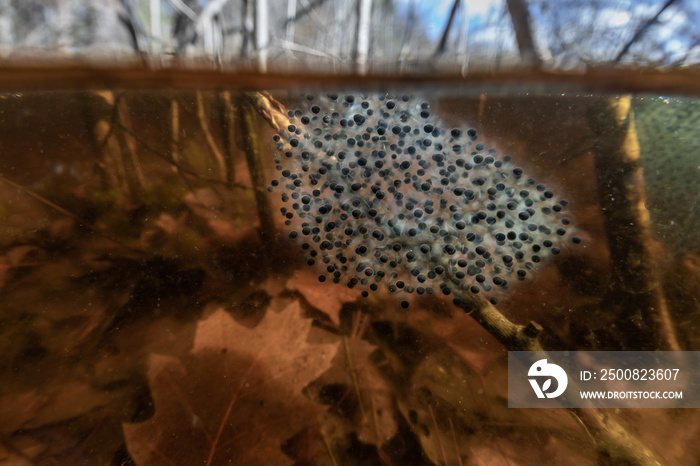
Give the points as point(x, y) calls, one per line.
point(378, 192)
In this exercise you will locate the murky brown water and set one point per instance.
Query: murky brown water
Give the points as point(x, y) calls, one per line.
point(155, 309)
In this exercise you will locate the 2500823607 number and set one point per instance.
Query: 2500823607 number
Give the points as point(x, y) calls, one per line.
point(639, 374)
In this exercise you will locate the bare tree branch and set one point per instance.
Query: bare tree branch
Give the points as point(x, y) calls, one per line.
point(442, 45)
point(304, 12)
point(290, 23)
point(361, 54)
point(262, 35)
point(155, 28)
point(136, 31)
point(408, 35)
point(641, 30)
point(184, 9)
point(520, 16)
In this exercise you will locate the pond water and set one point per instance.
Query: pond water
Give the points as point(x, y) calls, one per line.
point(287, 277)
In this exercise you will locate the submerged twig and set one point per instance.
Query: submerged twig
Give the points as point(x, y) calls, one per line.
point(81, 223)
point(635, 290)
point(42, 199)
point(180, 166)
point(437, 435)
point(213, 148)
point(513, 336)
point(227, 117)
point(249, 140)
point(175, 131)
point(353, 376)
point(129, 144)
point(112, 139)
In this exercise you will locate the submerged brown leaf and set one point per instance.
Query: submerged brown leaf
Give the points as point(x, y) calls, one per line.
point(360, 400)
point(328, 298)
point(236, 398)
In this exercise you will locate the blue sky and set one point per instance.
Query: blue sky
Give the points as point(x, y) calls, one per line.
point(614, 23)
point(435, 13)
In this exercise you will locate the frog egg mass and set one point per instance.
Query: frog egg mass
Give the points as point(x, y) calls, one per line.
point(379, 195)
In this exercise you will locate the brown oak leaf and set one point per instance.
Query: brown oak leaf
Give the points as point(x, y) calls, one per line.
point(328, 298)
point(365, 406)
point(236, 397)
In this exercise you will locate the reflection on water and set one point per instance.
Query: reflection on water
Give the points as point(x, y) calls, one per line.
point(159, 305)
